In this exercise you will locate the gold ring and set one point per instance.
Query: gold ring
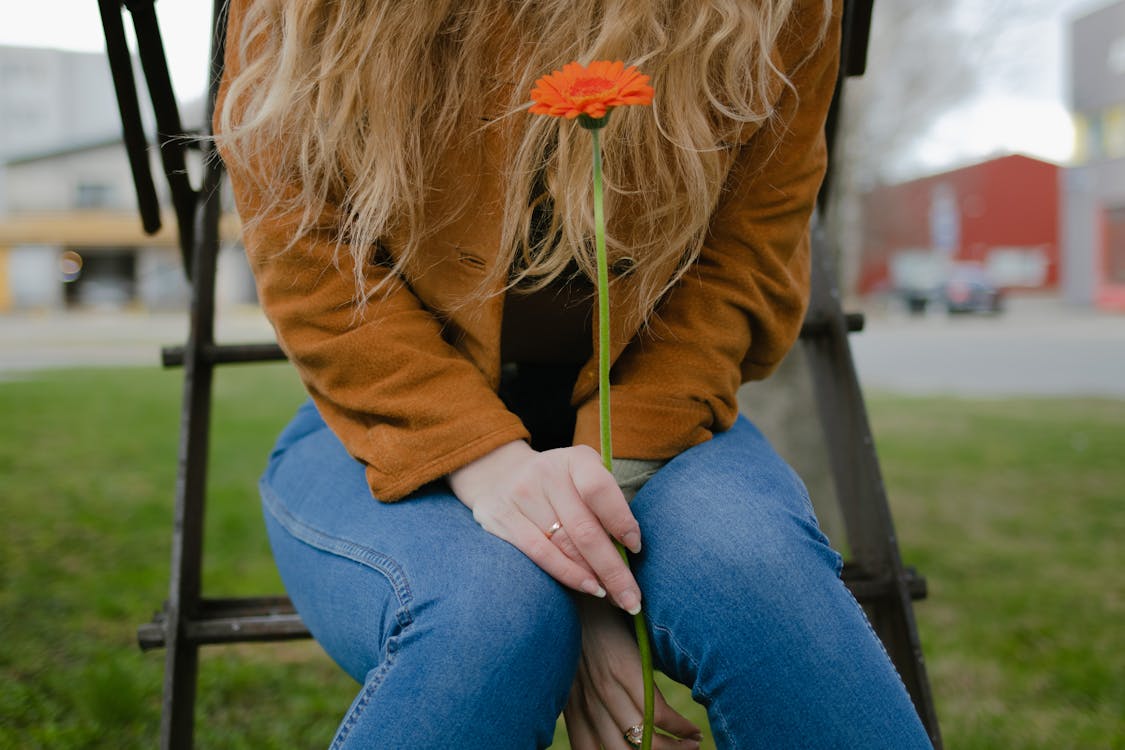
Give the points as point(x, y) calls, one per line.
point(634, 734)
point(554, 527)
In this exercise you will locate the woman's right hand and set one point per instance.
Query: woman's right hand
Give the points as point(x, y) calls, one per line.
point(518, 493)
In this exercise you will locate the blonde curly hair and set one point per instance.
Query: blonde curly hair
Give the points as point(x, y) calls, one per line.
point(357, 100)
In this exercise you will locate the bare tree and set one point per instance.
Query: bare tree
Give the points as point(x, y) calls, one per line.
point(924, 60)
point(918, 67)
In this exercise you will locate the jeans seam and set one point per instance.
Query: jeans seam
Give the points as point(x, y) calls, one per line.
point(882, 646)
point(803, 489)
point(703, 695)
point(370, 686)
point(358, 553)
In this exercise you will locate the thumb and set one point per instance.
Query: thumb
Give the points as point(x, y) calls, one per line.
point(671, 721)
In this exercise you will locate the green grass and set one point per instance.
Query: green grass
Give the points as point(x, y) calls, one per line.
point(1013, 510)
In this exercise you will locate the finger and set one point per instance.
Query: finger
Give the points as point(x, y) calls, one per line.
point(664, 742)
point(566, 546)
point(585, 532)
point(659, 741)
point(562, 540)
point(601, 494)
point(595, 548)
point(544, 515)
point(625, 702)
point(556, 532)
point(664, 716)
point(526, 536)
point(671, 721)
point(610, 733)
point(579, 730)
point(614, 695)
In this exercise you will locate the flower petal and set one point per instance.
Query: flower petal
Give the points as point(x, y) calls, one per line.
point(592, 90)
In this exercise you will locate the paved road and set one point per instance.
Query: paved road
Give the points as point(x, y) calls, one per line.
point(107, 339)
point(1039, 347)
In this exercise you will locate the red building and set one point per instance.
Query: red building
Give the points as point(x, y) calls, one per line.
point(1002, 214)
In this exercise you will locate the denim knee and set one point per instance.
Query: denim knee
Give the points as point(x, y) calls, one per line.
point(731, 540)
point(732, 507)
point(503, 644)
point(747, 546)
point(507, 616)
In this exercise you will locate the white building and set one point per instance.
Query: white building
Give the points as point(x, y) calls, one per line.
point(50, 97)
point(70, 233)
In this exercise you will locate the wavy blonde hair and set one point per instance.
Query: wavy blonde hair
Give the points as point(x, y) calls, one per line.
point(355, 101)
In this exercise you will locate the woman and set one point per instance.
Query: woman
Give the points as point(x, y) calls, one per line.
point(421, 246)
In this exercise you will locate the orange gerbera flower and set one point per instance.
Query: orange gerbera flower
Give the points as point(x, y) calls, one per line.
point(590, 90)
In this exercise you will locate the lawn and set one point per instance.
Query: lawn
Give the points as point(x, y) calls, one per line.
point(1013, 509)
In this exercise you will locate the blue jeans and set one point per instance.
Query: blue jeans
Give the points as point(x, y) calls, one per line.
point(460, 641)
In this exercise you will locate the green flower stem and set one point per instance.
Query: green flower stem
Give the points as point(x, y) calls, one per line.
point(603, 411)
point(603, 305)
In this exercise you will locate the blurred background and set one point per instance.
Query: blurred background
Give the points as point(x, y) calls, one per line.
point(979, 217)
point(980, 172)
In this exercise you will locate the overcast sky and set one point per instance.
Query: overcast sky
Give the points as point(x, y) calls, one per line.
point(1022, 107)
point(77, 25)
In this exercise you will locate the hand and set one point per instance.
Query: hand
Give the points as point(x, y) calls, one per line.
point(518, 493)
point(608, 696)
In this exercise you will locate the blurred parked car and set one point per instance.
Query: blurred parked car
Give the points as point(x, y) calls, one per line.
point(969, 290)
point(916, 300)
point(963, 288)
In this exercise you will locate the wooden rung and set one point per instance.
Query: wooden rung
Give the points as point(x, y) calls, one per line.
point(270, 618)
point(822, 326)
point(867, 588)
point(173, 356)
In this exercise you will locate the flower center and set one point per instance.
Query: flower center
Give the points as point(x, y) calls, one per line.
point(590, 87)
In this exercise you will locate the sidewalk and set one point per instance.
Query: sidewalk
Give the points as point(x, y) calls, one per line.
point(1038, 346)
point(109, 339)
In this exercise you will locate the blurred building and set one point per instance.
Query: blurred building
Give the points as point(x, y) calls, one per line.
point(1093, 194)
point(50, 97)
point(1001, 215)
point(70, 234)
point(1028, 224)
point(73, 238)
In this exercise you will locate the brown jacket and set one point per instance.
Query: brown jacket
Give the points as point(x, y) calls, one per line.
point(411, 390)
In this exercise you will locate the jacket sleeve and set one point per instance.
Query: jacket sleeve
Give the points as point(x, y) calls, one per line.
point(402, 400)
point(739, 309)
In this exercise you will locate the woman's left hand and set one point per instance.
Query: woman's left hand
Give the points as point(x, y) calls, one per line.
point(608, 696)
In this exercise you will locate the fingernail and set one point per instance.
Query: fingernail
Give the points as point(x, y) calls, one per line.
point(591, 587)
point(630, 602)
point(632, 540)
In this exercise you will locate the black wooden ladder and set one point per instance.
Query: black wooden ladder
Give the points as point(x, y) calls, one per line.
point(874, 573)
